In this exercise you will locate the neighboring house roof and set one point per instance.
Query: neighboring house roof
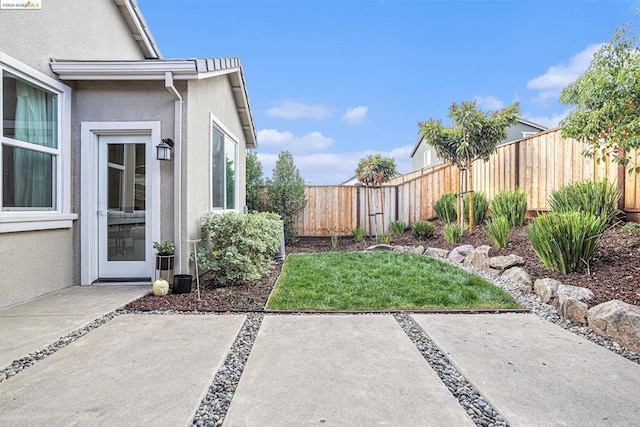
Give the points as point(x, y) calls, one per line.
point(351, 181)
point(139, 29)
point(524, 122)
point(179, 69)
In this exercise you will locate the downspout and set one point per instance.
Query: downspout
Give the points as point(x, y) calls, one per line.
point(177, 169)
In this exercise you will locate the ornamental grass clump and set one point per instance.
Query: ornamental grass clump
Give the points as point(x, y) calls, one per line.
point(498, 231)
point(358, 234)
point(452, 232)
point(239, 247)
point(422, 230)
point(384, 239)
point(335, 241)
point(511, 205)
point(596, 198)
point(566, 241)
point(397, 227)
point(480, 207)
point(445, 207)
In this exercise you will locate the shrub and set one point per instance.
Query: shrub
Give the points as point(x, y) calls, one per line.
point(498, 230)
point(384, 239)
point(480, 207)
point(358, 234)
point(596, 198)
point(632, 228)
point(422, 230)
point(335, 241)
point(397, 227)
point(565, 241)
point(445, 207)
point(452, 232)
point(239, 247)
point(511, 205)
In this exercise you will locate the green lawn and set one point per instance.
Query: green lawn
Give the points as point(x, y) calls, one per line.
point(380, 281)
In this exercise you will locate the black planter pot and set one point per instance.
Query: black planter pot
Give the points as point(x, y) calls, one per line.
point(164, 262)
point(182, 283)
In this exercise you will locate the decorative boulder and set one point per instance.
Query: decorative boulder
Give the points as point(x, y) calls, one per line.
point(505, 262)
point(378, 248)
point(436, 253)
point(479, 258)
point(547, 289)
point(574, 292)
point(617, 320)
point(418, 250)
point(574, 310)
point(160, 287)
point(519, 276)
point(459, 253)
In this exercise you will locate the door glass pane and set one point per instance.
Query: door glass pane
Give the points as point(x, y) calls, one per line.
point(126, 198)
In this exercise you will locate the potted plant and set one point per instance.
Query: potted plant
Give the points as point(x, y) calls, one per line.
point(164, 255)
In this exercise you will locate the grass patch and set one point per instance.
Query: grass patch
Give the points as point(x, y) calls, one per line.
point(380, 281)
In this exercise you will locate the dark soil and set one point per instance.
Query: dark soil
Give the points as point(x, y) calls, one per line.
point(614, 271)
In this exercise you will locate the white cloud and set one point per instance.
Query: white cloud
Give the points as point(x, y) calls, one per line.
point(356, 115)
point(489, 102)
point(313, 141)
point(548, 121)
point(557, 77)
point(297, 110)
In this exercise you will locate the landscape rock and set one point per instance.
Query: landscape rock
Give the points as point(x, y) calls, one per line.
point(418, 250)
point(436, 253)
point(574, 310)
point(400, 248)
point(505, 262)
point(379, 248)
point(459, 253)
point(520, 276)
point(547, 289)
point(617, 320)
point(478, 258)
point(574, 292)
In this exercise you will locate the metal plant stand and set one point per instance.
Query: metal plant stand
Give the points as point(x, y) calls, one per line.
point(195, 260)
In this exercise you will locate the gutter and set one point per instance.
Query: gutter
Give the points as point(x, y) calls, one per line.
point(177, 169)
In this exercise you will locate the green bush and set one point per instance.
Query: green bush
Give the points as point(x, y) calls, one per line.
point(452, 232)
point(498, 230)
point(632, 228)
point(445, 207)
point(358, 234)
point(511, 205)
point(422, 230)
point(566, 241)
point(480, 207)
point(384, 239)
point(596, 198)
point(239, 247)
point(335, 241)
point(397, 227)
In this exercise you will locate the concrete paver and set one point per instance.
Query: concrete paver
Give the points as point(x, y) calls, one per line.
point(536, 373)
point(339, 370)
point(37, 323)
point(134, 370)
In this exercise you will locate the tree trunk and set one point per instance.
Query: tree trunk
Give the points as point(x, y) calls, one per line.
point(382, 207)
point(461, 198)
point(471, 218)
point(367, 198)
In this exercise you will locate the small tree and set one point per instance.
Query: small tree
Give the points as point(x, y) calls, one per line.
point(474, 135)
point(607, 99)
point(373, 171)
point(286, 191)
point(254, 181)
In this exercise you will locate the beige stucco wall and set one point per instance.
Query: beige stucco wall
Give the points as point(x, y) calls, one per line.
point(213, 95)
point(34, 263)
point(67, 29)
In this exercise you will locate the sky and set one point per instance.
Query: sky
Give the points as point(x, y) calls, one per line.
point(335, 81)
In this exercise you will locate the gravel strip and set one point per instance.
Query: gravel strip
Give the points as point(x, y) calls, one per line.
point(31, 359)
point(481, 412)
point(213, 408)
point(548, 312)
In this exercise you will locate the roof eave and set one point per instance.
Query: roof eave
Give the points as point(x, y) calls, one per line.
point(139, 28)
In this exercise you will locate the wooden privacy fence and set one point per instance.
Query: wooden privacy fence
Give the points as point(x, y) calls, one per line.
point(537, 165)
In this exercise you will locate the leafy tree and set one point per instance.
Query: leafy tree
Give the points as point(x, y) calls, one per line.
point(373, 171)
point(607, 99)
point(287, 195)
point(231, 184)
point(474, 135)
point(254, 181)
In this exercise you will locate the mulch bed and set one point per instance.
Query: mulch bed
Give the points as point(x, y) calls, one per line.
point(614, 271)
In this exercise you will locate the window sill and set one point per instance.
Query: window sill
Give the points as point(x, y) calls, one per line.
point(13, 222)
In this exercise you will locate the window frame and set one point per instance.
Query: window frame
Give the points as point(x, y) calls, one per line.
point(227, 136)
point(426, 160)
point(60, 216)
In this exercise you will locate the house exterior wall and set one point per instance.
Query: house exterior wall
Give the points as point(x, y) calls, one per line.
point(208, 96)
point(67, 29)
point(515, 131)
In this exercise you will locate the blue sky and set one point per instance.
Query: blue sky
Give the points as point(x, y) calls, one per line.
point(333, 81)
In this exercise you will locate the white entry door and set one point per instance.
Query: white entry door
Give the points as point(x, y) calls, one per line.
point(124, 207)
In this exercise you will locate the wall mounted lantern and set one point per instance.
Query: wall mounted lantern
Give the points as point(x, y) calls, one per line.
point(164, 149)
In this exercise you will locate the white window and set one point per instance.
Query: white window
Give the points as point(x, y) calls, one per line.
point(34, 150)
point(427, 158)
point(224, 169)
point(526, 134)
